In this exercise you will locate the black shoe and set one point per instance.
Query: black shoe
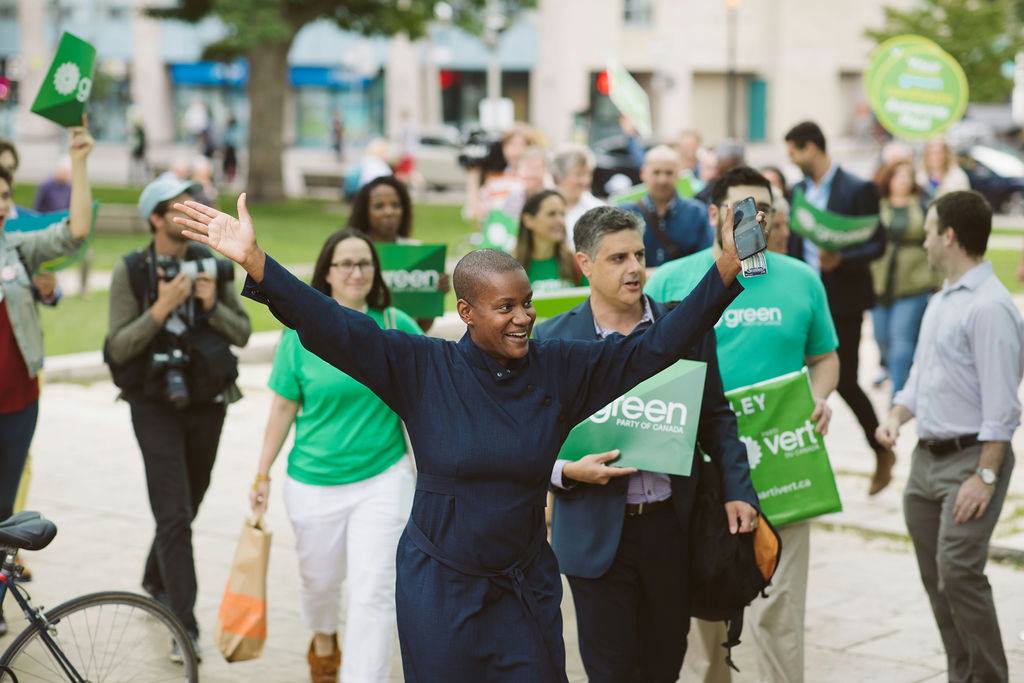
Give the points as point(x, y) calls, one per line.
point(3, 626)
point(176, 655)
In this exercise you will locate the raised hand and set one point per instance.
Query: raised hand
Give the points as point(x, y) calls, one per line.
point(232, 237)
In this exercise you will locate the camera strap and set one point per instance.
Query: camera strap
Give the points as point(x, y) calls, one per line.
point(657, 226)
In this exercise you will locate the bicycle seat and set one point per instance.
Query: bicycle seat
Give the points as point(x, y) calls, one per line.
point(27, 531)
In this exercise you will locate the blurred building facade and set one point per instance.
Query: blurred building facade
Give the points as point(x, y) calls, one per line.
point(793, 59)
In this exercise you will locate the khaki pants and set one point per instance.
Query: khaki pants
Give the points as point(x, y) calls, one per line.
point(951, 558)
point(774, 626)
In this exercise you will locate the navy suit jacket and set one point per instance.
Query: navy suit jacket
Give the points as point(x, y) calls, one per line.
point(587, 519)
point(849, 287)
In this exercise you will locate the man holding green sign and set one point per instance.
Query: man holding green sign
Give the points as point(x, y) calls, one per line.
point(619, 533)
point(779, 324)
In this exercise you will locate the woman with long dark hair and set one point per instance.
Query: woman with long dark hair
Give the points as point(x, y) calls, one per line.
point(348, 488)
point(541, 246)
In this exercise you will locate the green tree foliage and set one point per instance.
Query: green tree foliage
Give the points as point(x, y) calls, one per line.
point(980, 34)
point(262, 31)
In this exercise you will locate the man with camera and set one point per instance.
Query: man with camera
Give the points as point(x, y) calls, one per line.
point(173, 317)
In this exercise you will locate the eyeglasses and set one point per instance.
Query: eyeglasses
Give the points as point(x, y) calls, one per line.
point(347, 267)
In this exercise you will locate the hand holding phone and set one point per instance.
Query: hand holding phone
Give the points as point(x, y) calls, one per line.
point(747, 232)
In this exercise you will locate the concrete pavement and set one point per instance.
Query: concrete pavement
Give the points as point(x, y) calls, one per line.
point(868, 617)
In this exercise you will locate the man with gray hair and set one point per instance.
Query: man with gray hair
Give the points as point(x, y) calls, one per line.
point(676, 226)
point(572, 167)
point(620, 534)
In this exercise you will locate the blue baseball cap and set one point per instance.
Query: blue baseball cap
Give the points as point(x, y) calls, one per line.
point(166, 186)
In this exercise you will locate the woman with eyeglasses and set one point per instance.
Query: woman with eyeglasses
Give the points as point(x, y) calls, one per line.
point(348, 487)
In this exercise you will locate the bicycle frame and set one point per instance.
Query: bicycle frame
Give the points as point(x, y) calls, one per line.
point(36, 619)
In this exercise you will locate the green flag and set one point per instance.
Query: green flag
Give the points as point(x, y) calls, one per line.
point(630, 98)
point(26, 222)
point(687, 186)
point(830, 231)
point(413, 273)
point(499, 231)
point(654, 424)
point(551, 303)
point(789, 465)
point(68, 83)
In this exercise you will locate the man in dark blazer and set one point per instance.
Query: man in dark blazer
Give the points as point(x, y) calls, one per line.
point(845, 273)
point(620, 535)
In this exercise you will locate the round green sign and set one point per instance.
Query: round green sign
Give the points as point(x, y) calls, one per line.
point(915, 88)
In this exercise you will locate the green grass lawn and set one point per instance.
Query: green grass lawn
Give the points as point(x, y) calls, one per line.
point(291, 231)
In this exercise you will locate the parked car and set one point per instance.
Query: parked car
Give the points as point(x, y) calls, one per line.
point(437, 158)
point(613, 158)
point(997, 173)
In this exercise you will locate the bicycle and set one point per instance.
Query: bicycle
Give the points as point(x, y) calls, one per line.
point(106, 637)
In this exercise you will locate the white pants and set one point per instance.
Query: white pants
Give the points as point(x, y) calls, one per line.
point(774, 626)
point(350, 532)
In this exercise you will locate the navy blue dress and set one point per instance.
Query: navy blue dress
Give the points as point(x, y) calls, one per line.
point(478, 590)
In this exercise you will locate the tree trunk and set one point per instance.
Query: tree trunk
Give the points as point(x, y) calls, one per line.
point(268, 86)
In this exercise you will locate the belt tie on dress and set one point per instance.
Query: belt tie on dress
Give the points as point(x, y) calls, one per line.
point(512, 576)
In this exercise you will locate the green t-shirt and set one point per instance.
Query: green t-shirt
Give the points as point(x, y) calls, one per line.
point(778, 320)
point(545, 277)
point(343, 432)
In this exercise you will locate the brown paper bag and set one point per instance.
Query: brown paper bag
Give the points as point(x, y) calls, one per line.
point(242, 619)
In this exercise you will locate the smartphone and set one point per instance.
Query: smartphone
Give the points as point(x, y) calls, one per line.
point(747, 232)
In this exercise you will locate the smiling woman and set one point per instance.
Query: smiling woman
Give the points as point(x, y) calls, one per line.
point(478, 591)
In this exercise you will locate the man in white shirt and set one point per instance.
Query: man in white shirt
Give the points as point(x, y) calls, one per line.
point(963, 391)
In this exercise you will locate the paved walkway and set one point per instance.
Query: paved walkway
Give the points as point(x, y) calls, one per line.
point(868, 618)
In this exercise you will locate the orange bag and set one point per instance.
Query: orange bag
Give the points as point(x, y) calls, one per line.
point(242, 618)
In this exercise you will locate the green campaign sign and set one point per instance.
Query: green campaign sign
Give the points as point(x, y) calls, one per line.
point(413, 273)
point(550, 303)
point(687, 186)
point(654, 425)
point(630, 98)
point(915, 88)
point(499, 231)
point(31, 222)
point(68, 83)
point(828, 230)
point(789, 465)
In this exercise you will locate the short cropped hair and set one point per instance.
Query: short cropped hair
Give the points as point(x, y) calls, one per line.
point(806, 132)
point(969, 214)
point(474, 268)
point(734, 177)
point(592, 226)
point(569, 156)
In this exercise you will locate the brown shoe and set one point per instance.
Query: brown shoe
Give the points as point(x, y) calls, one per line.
point(883, 471)
point(324, 669)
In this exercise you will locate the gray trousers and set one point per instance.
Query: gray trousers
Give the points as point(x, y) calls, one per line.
point(951, 558)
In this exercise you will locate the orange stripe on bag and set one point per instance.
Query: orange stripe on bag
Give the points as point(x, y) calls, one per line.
point(243, 615)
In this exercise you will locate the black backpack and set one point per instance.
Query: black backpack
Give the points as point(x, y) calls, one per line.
point(727, 571)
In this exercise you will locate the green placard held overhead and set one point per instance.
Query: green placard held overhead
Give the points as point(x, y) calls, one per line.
point(915, 88)
point(630, 98)
point(413, 273)
point(65, 90)
point(789, 465)
point(499, 231)
point(653, 425)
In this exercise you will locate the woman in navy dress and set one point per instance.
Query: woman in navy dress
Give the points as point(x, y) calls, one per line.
point(478, 589)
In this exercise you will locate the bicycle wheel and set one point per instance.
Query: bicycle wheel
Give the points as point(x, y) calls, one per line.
point(108, 637)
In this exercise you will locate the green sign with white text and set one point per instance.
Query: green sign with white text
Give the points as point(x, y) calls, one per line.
point(915, 88)
point(413, 274)
point(654, 424)
point(630, 98)
point(65, 90)
point(499, 231)
point(31, 222)
point(789, 465)
point(828, 230)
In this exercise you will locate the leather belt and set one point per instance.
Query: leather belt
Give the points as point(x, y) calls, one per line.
point(640, 509)
point(947, 446)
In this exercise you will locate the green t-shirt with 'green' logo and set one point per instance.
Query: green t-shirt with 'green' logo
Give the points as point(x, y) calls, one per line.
point(343, 432)
point(768, 330)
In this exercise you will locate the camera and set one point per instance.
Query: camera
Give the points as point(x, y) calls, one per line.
point(482, 150)
point(172, 364)
point(219, 269)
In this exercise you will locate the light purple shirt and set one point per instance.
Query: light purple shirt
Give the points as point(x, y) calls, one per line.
point(644, 487)
point(969, 361)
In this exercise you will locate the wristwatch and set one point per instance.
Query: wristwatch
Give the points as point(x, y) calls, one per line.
point(987, 475)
